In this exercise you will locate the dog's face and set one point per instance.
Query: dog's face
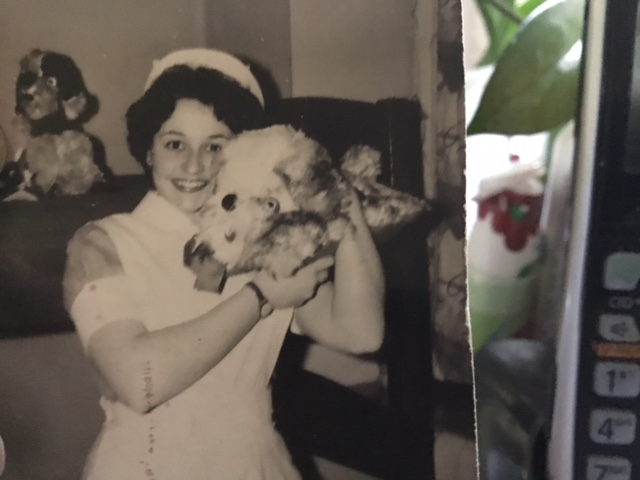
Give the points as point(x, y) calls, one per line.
point(50, 85)
point(270, 180)
point(278, 202)
point(249, 194)
point(251, 172)
point(36, 93)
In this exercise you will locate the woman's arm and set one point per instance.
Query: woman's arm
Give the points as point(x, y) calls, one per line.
point(348, 314)
point(145, 369)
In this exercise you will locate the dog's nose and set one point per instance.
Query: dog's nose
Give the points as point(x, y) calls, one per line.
point(229, 202)
point(26, 97)
point(230, 236)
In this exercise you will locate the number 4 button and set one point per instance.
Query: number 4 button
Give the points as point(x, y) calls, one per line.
point(608, 468)
point(612, 427)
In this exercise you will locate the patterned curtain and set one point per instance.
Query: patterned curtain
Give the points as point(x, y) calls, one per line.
point(441, 88)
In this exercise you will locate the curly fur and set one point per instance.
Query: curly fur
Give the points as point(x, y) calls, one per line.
point(51, 93)
point(53, 103)
point(279, 202)
point(72, 176)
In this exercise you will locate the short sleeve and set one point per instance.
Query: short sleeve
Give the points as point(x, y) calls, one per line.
point(91, 255)
point(96, 289)
point(101, 302)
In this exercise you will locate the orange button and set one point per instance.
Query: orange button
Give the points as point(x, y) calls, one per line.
point(617, 350)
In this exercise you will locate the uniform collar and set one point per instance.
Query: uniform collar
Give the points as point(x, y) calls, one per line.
point(155, 210)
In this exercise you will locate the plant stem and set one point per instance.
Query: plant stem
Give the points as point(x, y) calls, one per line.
point(506, 11)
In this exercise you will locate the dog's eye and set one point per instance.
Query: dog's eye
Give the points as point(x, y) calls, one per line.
point(52, 82)
point(229, 202)
point(273, 205)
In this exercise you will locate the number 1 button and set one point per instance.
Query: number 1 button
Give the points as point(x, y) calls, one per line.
point(617, 380)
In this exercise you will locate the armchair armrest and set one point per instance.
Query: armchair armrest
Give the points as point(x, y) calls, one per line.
point(33, 240)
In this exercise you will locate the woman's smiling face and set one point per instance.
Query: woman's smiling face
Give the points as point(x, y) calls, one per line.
point(185, 155)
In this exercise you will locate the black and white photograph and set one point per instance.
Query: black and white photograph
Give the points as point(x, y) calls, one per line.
point(232, 241)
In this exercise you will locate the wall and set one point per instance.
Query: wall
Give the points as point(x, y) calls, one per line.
point(113, 43)
point(258, 30)
point(358, 49)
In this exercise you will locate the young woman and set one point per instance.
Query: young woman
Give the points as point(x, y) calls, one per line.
point(185, 373)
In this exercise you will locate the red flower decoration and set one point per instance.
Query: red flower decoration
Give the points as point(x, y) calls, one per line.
point(515, 216)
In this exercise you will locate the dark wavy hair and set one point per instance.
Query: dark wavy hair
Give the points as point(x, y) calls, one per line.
point(232, 104)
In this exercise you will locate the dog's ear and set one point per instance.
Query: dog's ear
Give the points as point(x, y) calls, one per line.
point(312, 181)
point(293, 170)
point(386, 209)
point(32, 62)
point(310, 165)
point(78, 103)
point(74, 106)
point(81, 107)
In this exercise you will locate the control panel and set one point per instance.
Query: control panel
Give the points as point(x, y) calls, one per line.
point(609, 383)
point(607, 411)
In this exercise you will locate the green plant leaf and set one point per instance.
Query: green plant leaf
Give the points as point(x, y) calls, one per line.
point(500, 30)
point(501, 27)
point(534, 85)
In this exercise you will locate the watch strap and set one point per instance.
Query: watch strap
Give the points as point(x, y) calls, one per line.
point(264, 307)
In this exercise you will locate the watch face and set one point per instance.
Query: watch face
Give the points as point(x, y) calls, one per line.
point(266, 310)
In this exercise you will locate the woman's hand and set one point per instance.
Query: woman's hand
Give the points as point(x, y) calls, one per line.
point(298, 289)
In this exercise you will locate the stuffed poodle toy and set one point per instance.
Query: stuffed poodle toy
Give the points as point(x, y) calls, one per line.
point(279, 203)
point(52, 105)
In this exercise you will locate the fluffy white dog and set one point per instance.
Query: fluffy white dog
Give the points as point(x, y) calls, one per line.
point(279, 203)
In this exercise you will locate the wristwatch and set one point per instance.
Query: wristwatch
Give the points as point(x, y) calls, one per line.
point(264, 307)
